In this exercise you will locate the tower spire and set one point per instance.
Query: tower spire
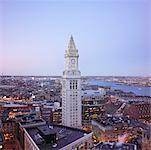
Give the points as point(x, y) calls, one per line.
point(71, 45)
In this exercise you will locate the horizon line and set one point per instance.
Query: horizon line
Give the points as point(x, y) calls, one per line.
point(81, 76)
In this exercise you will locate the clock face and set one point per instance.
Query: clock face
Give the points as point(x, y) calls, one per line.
point(73, 61)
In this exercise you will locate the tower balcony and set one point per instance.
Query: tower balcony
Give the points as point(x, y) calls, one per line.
point(72, 74)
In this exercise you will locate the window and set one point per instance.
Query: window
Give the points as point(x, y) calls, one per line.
point(70, 84)
point(74, 84)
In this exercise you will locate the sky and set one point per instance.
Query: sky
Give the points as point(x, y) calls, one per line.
point(113, 37)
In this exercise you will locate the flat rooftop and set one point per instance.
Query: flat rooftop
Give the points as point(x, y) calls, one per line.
point(64, 135)
point(34, 121)
point(86, 93)
point(113, 120)
point(116, 120)
point(14, 105)
point(28, 120)
point(115, 146)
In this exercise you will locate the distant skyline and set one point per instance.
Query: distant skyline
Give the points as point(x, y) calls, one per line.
point(113, 36)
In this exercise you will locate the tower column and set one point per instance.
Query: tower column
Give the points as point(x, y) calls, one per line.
point(71, 88)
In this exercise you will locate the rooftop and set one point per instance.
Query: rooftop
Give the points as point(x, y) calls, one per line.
point(113, 120)
point(115, 146)
point(109, 122)
point(92, 93)
point(64, 135)
point(14, 105)
point(28, 120)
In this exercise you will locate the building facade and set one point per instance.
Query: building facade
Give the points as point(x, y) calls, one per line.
point(92, 105)
point(34, 133)
point(71, 88)
point(66, 138)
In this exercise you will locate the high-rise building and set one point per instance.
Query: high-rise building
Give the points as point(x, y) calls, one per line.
point(71, 88)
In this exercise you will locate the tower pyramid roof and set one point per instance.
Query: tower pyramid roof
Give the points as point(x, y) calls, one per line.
point(71, 45)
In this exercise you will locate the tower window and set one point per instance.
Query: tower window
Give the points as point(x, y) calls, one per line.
point(73, 84)
point(70, 84)
point(76, 84)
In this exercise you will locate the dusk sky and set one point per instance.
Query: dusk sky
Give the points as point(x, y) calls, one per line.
point(113, 36)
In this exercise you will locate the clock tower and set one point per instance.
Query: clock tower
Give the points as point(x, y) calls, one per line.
point(71, 88)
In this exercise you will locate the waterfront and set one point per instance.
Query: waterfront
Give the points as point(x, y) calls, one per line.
point(138, 90)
